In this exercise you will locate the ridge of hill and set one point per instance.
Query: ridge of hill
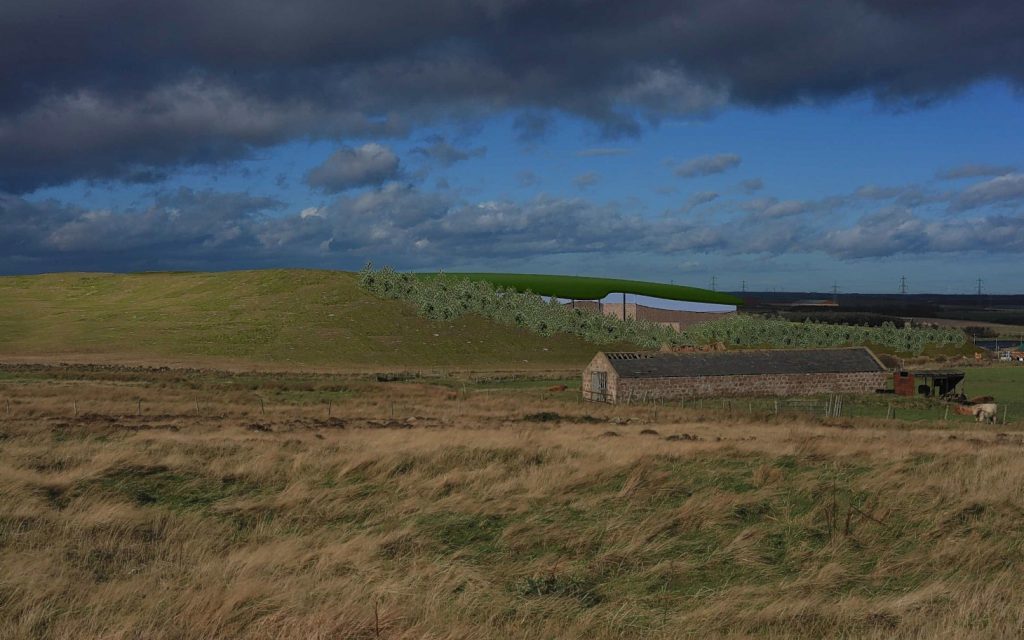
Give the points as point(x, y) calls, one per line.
point(274, 318)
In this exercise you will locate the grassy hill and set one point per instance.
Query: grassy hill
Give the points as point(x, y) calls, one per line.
point(276, 317)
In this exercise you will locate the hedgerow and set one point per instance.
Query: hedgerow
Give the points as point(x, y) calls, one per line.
point(447, 298)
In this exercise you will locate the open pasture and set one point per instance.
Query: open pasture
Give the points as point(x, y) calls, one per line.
point(161, 503)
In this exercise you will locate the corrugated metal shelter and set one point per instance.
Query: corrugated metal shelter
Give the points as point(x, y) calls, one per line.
point(620, 377)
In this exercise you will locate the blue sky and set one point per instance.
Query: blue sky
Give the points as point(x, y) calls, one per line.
point(867, 157)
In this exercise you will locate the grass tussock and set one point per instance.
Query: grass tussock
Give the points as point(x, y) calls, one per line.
point(469, 521)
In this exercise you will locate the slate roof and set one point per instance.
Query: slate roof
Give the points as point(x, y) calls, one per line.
point(736, 363)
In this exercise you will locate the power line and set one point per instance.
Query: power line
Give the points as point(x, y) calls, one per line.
point(903, 284)
point(835, 292)
point(743, 286)
point(979, 286)
point(714, 281)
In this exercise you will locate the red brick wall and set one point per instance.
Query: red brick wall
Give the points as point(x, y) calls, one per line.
point(802, 384)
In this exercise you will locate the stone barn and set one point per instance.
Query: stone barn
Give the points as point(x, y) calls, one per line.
point(638, 376)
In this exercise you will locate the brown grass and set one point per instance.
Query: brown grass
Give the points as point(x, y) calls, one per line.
point(462, 517)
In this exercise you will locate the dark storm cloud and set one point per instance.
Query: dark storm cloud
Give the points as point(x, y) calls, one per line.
point(439, 150)
point(110, 89)
point(348, 168)
point(974, 171)
point(708, 165)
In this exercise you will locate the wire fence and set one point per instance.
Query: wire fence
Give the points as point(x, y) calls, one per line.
point(883, 407)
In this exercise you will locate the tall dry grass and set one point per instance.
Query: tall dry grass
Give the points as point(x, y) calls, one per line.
point(462, 517)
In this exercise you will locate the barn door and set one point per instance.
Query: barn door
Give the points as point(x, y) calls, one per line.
point(599, 385)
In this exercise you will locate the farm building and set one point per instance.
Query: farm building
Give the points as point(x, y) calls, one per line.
point(926, 383)
point(635, 376)
point(675, 318)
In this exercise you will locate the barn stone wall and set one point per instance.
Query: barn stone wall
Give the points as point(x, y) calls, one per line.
point(797, 384)
point(600, 363)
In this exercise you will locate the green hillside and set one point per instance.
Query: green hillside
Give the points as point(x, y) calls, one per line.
point(277, 317)
point(587, 288)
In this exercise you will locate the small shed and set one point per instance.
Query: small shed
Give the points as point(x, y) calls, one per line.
point(626, 376)
point(926, 383)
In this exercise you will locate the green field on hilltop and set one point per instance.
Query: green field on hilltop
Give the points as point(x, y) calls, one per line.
point(587, 288)
point(278, 317)
point(1003, 382)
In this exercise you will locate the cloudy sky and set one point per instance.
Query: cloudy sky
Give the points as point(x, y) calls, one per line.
point(783, 144)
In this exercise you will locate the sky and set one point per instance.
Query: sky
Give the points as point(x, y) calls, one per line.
point(767, 146)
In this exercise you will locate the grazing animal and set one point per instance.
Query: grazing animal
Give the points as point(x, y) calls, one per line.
point(984, 412)
point(558, 387)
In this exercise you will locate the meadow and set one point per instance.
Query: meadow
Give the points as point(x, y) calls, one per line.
point(279, 319)
point(140, 503)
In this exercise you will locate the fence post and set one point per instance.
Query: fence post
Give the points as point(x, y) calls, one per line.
point(140, 406)
point(329, 402)
point(945, 418)
point(76, 408)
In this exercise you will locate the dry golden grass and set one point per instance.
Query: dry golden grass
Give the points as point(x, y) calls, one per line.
point(462, 517)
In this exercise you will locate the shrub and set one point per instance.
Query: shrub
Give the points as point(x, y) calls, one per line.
point(447, 298)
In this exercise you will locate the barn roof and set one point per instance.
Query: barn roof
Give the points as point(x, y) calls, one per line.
point(734, 363)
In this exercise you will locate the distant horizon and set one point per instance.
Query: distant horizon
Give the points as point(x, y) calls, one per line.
point(824, 294)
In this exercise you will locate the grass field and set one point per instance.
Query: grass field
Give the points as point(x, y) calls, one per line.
point(173, 504)
point(288, 319)
point(281, 319)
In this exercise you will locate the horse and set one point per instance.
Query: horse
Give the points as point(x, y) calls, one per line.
point(985, 412)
